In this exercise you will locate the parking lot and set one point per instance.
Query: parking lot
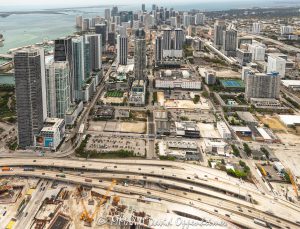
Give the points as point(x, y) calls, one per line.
point(103, 143)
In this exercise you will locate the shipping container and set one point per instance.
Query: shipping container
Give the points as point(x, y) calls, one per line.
point(7, 169)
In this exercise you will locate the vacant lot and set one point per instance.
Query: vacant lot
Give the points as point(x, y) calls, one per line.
point(273, 123)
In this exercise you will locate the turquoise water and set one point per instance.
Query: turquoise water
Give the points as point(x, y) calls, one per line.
point(27, 29)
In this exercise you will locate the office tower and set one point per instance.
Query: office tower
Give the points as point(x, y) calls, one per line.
point(122, 49)
point(153, 7)
point(256, 27)
point(219, 27)
point(229, 42)
point(258, 51)
point(114, 11)
point(286, 29)
point(58, 88)
point(78, 67)
point(199, 19)
point(63, 52)
point(107, 14)
point(143, 7)
point(85, 25)
point(111, 38)
point(167, 14)
point(167, 39)
point(262, 85)
point(158, 49)
point(277, 63)
point(139, 55)
point(79, 21)
point(102, 29)
point(31, 102)
point(179, 39)
point(92, 53)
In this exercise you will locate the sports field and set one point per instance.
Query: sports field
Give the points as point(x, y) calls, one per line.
point(232, 83)
point(118, 94)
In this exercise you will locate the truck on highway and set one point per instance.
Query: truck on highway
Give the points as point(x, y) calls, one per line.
point(4, 169)
point(62, 175)
point(28, 169)
point(260, 222)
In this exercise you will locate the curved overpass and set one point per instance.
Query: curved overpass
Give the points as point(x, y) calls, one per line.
point(207, 189)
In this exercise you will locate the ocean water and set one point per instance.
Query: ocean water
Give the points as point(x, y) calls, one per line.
point(26, 29)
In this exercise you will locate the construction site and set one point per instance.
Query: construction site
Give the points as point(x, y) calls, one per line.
point(55, 194)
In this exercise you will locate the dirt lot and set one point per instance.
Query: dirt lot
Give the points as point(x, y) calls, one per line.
point(136, 127)
point(273, 123)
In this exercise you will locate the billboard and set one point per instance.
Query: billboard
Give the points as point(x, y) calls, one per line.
point(39, 141)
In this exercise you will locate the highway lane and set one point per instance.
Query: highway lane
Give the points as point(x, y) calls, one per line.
point(32, 206)
point(181, 175)
point(189, 200)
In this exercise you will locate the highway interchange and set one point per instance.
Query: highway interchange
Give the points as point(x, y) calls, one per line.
point(187, 184)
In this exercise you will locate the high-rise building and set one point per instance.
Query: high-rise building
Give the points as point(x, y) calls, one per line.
point(143, 7)
point(92, 53)
point(122, 49)
point(111, 38)
point(286, 29)
point(167, 33)
point(31, 102)
point(258, 51)
point(262, 85)
point(78, 66)
point(58, 88)
point(135, 25)
point(114, 11)
point(79, 21)
point(187, 20)
point(158, 49)
point(63, 52)
point(199, 19)
point(219, 27)
point(179, 39)
point(153, 7)
point(140, 55)
point(85, 25)
point(229, 42)
point(107, 14)
point(256, 27)
point(173, 21)
point(277, 63)
point(102, 29)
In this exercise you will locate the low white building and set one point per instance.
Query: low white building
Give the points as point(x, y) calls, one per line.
point(181, 79)
point(51, 134)
point(223, 130)
point(290, 120)
point(215, 147)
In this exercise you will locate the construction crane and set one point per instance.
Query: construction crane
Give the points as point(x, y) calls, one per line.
point(85, 216)
point(103, 199)
point(293, 182)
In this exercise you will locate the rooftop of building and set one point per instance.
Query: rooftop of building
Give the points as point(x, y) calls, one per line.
point(51, 124)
